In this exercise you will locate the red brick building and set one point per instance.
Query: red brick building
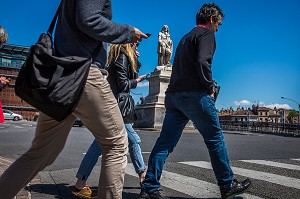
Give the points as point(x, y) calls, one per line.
point(12, 58)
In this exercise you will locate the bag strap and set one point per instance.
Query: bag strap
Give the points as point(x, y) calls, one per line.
point(52, 25)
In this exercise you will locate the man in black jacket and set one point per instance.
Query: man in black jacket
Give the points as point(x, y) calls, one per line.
point(190, 96)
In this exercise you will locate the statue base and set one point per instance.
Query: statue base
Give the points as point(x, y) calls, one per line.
point(151, 113)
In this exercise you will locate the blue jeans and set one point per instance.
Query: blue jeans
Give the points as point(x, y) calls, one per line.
point(200, 109)
point(91, 157)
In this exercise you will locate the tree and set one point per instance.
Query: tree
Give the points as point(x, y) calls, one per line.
point(292, 115)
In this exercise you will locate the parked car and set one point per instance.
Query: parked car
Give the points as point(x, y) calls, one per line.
point(9, 115)
point(78, 122)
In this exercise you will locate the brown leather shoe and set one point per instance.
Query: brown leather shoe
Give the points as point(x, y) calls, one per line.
point(85, 192)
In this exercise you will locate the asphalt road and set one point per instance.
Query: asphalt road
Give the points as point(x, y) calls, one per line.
point(272, 162)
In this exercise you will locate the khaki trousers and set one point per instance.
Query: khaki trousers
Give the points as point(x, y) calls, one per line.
point(99, 112)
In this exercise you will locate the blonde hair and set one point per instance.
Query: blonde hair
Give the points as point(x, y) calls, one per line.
point(3, 35)
point(114, 52)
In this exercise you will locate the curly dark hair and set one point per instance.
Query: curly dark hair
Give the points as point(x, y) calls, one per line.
point(207, 11)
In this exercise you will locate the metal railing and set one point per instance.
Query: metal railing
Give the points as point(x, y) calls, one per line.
point(286, 129)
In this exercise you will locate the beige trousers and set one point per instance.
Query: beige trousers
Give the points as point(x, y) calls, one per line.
point(99, 112)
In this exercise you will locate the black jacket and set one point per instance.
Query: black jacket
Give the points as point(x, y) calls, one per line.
point(191, 71)
point(121, 76)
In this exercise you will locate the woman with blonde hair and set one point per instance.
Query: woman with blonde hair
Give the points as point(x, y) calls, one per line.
point(123, 76)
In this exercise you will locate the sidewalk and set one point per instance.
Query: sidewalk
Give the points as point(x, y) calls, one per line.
point(4, 163)
point(52, 184)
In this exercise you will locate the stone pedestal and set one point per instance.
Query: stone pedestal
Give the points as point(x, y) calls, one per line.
point(152, 112)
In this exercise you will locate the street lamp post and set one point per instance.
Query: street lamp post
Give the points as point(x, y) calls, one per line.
point(298, 107)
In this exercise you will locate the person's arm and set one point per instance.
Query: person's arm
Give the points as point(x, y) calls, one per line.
point(90, 20)
point(206, 48)
point(3, 81)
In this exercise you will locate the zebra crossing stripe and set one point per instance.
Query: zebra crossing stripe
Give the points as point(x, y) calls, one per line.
point(187, 185)
point(274, 164)
point(296, 159)
point(259, 175)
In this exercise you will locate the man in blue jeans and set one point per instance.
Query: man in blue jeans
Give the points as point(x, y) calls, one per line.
point(190, 96)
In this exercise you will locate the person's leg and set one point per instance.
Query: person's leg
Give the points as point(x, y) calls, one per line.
point(99, 112)
point(173, 125)
point(87, 164)
point(49, 140)
point(135, 151)
point(200, 108)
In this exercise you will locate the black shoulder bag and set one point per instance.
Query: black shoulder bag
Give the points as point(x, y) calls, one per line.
point(52, 84)
point(126, 105)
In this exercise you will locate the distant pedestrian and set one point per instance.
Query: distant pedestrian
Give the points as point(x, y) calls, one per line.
point(190, 96)
point(82, 25)
point(3, 80)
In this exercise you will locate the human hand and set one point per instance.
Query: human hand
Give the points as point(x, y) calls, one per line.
point(139, 35)
point(4, 80)
point(141, 78)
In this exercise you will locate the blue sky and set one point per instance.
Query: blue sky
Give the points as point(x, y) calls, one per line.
point(258, 47)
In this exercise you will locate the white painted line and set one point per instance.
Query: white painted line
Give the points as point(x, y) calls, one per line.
point(187, 185)
point(27, 124)
point(259, 175)
point(296, 159)
point(274, 164)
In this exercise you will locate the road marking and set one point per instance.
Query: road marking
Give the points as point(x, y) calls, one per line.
point(259, 175)
point(187, 185)
point(296, 159)
point(27, 124)
point(274, 164)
